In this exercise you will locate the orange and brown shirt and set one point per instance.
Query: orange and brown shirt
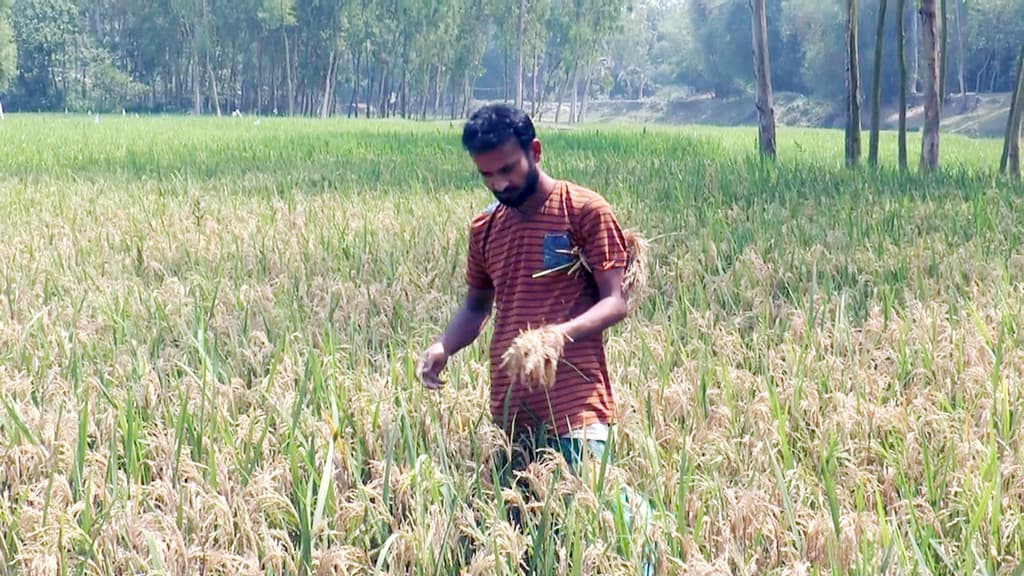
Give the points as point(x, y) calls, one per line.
point(506, 249)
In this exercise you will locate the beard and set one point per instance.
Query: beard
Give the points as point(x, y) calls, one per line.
point(516, 197)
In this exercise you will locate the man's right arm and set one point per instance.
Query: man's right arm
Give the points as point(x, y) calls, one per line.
point(463, 329)
point(468, 322)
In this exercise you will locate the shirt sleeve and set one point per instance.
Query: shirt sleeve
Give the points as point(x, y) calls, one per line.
point(476, 266)
point(603, 243)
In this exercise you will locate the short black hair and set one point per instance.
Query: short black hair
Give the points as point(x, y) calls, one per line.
point(495, 124)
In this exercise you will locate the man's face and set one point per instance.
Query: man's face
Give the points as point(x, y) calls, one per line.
point(510, 172)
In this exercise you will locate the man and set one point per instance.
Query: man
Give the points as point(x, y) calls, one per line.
point(522, 252)
point(539, 224)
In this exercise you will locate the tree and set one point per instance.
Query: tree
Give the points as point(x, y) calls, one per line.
point(1011, 146)
point(280, 15)
point(520, 49)
point(853, 125)
point(633, 51)
point(44, 31)
point(8, 53)
point(992, 30)
point(711, 55)
point(415, 58)
point(813, 27)
point(321, 24)
point(901, 44)
point(196, 25)
point(763, 78)
point(930, 41)
point(587, 26)
point(876, 88)
point(959, 15)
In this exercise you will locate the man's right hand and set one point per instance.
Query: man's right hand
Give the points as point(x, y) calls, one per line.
point(461, 332)
point(432, 363)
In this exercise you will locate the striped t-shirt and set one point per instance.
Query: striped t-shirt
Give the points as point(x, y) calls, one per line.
point(506, 249)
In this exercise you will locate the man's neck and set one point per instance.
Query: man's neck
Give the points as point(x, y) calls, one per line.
point(545, 186)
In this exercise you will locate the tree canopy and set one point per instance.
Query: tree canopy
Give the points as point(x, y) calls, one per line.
point(415, 58)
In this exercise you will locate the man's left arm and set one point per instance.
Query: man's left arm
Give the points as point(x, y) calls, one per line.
point(604, 248)
point(609, 310)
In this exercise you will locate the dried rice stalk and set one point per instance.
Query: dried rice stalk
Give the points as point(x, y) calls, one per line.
point(533, 357)
point(635, 279)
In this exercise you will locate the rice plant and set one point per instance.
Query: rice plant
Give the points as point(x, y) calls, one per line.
point(208, 330)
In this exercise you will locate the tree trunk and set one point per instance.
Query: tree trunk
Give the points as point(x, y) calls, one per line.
point(391, 108)
point(336, 78)
point(575, 94)
point(165, 82)
point(534, 98)
point(197, 97)
point(179, 84)
point(521, 47)
point(288, 72)
point(259, 79)
point(763, 79)
point(876, 88)
point(543, 92)
point(853, 125)
point(405, 91)
point(378, 98)
point(504, 78)
point(561, 96)
point(1, 109)
point(438, 91)
point(382, 104)
point(325, 105)
point(981, 73)
point(353, 105)
point(371, 77)
point(425, 94)
point(467, 94)
point(454, 100)
point(1011, 146)
point(902, 49)
point(915, 40)
point(275, 97)
point(213, 84)
point(931, 42)
point(586, 93)
point(943, 51)
point(236, 88)
point(960, 49)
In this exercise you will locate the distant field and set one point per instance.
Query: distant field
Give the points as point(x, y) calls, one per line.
point(208, 330)
point(983, 116)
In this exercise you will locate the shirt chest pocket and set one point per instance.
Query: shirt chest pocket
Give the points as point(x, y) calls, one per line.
point(557, 250)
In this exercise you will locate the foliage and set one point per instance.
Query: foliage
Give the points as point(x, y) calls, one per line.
point(414, 58)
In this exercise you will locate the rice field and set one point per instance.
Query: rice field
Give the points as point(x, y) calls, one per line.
point(209, 327)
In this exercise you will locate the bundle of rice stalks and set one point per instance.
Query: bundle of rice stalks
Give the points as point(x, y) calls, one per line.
point(533, 357)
